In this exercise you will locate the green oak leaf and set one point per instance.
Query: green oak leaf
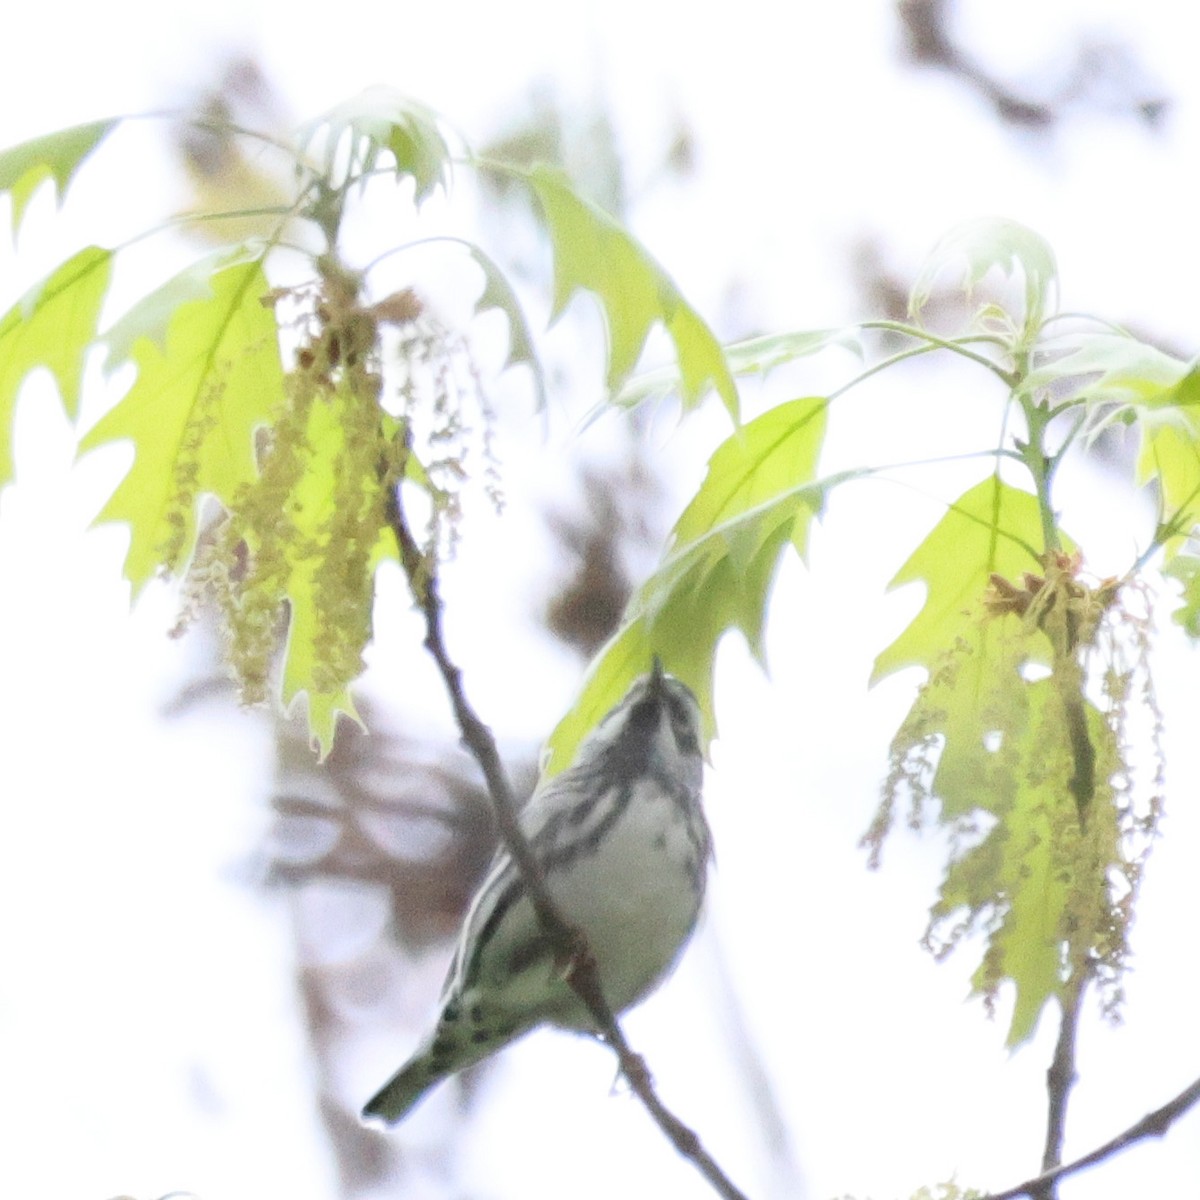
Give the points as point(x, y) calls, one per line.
point(993, 746)
point(758, 497)
point(1185, 568)
point(151, 316)
point(977, 247)
point(593, 252)
point(1108, 368)
point(191, 415)
point(498, 294)
point(1170, 457)
point(336, 537)
point(57, 157)
point(52, 326)
point(991, 528)
point(352, 136)
point(1037, 883)
point(292, 564)
point(1118, 377)
point(753, 356)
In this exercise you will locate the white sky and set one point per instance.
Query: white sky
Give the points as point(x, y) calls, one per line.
point(170, 981)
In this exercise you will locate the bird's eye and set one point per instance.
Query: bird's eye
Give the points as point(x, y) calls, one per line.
point(685, 736)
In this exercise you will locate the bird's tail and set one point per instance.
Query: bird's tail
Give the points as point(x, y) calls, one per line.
point(401, 1093)
point(453, 1048)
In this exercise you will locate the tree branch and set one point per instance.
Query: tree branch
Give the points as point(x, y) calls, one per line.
point(1061, 1076)
point(571, 947)
point(1153, 1124)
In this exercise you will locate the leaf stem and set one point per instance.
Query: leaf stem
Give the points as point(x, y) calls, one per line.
point(1040, 464)
point(915, 352)
point(957, 346)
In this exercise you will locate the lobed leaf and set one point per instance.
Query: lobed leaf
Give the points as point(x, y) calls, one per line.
point(498, 294)
point(56, 157)
point(332, 539)
point(977, 247)
point(1170, 457)
point(991, 528)
point(1144, 386)
point(291, 564)
point(52, 326)
point(758, 497)
point(1039, 883)
point(754, 356)
point(191, 414)
point(593, 252)
point(151, 316)
point(1185, 568)
point(1023, 769)
point(1109, 368)
point(351, 138)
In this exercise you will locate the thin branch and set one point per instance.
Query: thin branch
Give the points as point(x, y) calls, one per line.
point(1153, 1124)
point(571, 947)
point(1061, 1077)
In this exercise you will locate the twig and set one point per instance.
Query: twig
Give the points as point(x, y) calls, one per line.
point(1153, 1124)
point(570, 945)
point(1061, 1075)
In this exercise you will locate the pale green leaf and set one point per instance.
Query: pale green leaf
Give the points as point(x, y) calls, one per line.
point(1042, 879)
point(1155, 391)
point(1170, 456)
point(1109, 368)
point(52, 326)
point(349, 139)
point(993, 527)
point(307, 535)
point(191, 415)
point(1185, 568)
point(1166, 408)
point(593, 252)
point(327, 577)
point(972, 250)
point(1038, 882)
point(151, 316)
point(754, 356)
point(57, 157)
point(498, 294)
point(758, 355)
point(758, 497)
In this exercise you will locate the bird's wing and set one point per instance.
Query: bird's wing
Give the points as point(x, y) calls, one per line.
point(501, 932)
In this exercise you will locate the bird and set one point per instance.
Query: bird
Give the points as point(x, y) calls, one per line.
point(624, 848)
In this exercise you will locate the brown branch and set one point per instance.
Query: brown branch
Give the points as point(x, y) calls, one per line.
point(1061, 1076)
point(570, 945)
point(1153, 1124)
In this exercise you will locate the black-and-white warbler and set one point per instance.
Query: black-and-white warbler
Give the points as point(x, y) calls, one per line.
point(625, 849)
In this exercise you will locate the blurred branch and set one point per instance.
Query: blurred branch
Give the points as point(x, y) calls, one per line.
point(1153, 1124)
point(930, 44)
point(762, 1098)
point(1101, 73)
point(571, 947)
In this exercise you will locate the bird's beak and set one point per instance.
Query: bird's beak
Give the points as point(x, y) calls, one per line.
point(657, 674)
